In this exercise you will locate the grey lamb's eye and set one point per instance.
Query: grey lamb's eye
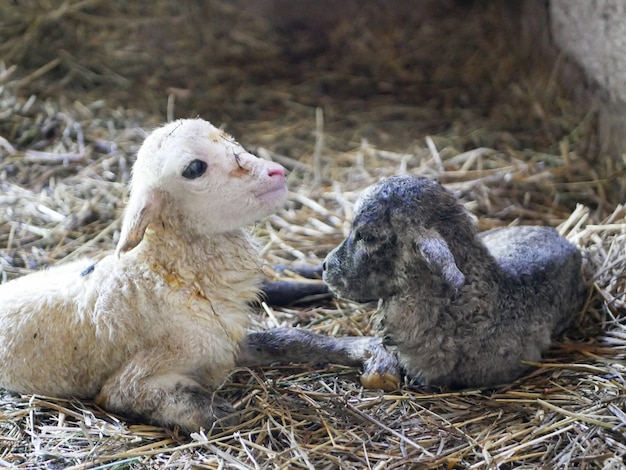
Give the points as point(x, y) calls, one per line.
point(195, 169)
point(362, 236)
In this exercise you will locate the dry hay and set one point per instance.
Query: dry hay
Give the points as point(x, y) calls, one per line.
point(63, 169)
point(567, 411)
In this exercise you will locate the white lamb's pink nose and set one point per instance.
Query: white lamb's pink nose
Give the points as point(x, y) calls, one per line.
point(276, 171)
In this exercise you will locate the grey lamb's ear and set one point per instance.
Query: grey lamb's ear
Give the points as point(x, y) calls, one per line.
point(436, 253)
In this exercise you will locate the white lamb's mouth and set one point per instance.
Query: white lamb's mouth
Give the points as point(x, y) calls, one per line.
point(272, 190)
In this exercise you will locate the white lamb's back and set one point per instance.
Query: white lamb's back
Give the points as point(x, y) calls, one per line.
point(34, 309)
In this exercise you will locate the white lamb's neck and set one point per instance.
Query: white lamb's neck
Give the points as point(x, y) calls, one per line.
point(217, 259)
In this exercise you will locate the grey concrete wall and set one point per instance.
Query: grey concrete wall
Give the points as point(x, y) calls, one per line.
point(593, 34)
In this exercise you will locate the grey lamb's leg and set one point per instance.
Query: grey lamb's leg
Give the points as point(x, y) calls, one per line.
point(297, 345)
point(280, 293)
point(290, 291)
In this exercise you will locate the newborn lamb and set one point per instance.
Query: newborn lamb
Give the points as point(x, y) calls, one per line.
point(458, 309)
point(152, 331)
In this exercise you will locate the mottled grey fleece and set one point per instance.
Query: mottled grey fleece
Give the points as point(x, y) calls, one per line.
point(460, 309)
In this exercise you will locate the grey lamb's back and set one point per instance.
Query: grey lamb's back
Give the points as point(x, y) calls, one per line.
point(529, 250)
point(538, 260)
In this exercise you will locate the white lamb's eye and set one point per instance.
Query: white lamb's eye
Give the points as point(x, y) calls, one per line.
point(195, 169)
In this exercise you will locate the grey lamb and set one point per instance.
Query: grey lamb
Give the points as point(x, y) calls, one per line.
point(458, 308)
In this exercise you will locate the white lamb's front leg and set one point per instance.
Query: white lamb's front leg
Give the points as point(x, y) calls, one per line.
point(164, 397)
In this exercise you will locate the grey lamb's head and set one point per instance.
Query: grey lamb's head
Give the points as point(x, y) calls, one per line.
point(405, 230)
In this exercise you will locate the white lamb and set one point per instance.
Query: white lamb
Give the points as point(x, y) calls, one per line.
point(153, 330)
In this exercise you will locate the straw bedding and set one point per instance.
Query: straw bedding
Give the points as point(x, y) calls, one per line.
point(507, 139)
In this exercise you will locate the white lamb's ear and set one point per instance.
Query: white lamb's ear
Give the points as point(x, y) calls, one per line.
point(142, 209)
point(437, 254)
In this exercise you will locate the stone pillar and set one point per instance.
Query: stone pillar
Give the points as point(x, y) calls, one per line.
point(592, 33)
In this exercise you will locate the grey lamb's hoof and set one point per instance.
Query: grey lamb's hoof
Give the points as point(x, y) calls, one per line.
point(381, 371)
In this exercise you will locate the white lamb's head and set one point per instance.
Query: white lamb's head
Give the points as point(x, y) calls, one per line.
point(191, 172)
